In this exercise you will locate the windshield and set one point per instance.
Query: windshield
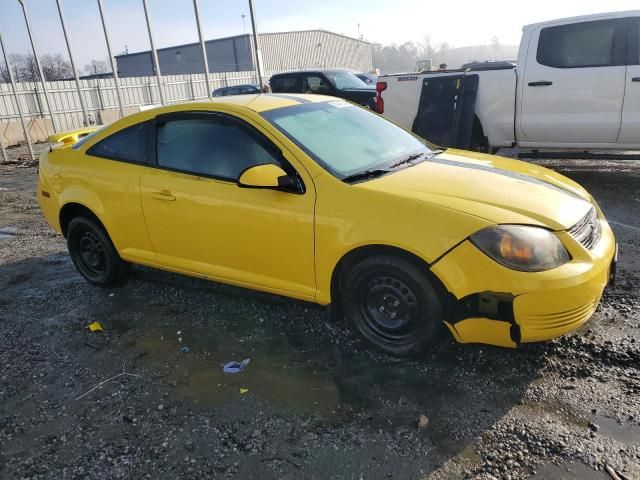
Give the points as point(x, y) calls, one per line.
point(342, 80)
point(343, 138)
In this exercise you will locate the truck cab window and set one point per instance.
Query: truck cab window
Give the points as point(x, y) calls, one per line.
point(586, 44)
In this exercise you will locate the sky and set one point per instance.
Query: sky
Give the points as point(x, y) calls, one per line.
point(459, 23)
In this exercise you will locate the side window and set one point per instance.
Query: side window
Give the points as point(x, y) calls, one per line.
point(634, 40)
point(129, 145)
point(314, 84)
point(586, 44)
point(286, 85)
point(214, 147)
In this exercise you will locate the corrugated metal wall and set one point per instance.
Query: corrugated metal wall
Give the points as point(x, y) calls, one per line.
point(280, 52)
point(233, 54)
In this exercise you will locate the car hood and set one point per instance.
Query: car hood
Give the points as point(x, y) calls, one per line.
point(497, 189)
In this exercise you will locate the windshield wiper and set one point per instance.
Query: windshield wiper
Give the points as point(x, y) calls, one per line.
point(434, 153)
point(378, 172)
point(409, 159)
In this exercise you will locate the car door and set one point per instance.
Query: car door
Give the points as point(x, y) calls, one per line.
point(630, 129)
point(573, 84)
point(199, 220)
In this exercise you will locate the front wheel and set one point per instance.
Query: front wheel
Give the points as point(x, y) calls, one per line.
point(93, 254)
point(392, 305)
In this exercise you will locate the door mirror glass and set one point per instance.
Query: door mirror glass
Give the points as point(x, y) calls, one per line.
point(264, 176)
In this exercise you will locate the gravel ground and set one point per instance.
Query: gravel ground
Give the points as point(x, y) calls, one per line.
point(313, 402)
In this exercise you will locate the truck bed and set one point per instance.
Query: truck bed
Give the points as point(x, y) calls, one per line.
point(495, 104)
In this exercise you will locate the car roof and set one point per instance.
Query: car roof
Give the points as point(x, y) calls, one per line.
point(584, 18)
point(261, 102)
point(312, 70)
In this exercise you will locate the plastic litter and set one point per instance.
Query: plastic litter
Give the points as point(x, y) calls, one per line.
point(95, 327)
point(243, 390)
point(235, 367)
point(184, 349)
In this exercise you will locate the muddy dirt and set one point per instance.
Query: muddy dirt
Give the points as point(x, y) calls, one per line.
point(313, 402)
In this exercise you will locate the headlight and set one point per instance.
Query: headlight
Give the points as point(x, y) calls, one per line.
point(528, 249)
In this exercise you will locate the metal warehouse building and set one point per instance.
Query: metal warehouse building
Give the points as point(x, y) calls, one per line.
point(280, 52)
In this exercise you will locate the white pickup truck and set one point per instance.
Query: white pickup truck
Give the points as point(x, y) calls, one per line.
point(576, 86)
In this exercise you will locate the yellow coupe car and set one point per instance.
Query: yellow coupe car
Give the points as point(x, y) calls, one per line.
point(318, 199)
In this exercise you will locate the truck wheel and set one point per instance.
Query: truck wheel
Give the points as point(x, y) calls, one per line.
point(391, 303)
point(93, 254)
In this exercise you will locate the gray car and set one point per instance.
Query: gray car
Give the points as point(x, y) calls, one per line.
point(236, 90)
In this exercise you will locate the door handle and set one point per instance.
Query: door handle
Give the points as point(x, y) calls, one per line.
point(635, 79)
point(542, 83)
point(163, 195)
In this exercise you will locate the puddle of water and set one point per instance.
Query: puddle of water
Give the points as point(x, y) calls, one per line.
point(8, 232)
point(568, 471)
point(273, 373)
point(626, 433)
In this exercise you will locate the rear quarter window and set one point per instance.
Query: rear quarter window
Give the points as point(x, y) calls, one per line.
point(128, 145)
point(290, 84)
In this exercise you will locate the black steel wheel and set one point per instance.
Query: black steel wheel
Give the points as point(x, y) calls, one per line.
point(392, 304)
point(93, 254)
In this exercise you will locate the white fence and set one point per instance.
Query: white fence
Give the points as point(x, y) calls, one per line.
point(100, 94)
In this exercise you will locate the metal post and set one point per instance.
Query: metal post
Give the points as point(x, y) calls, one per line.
point(192, 87)
point(73, 65)
point(99, 92)
point(15, 96)
point(204, 49)
point(154, 53)
point(116, 78)
point(38, 65)
point(5, 159)
point(256, 43)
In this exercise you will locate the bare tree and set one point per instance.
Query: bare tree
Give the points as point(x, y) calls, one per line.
point(96, 67)
point(56, 67)
point(495, 47)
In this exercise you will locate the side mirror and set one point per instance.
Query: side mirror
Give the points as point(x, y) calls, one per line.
point(268, 176)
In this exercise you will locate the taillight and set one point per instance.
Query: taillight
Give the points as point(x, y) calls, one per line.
point(380, 87)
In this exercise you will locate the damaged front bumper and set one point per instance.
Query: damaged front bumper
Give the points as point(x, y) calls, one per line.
point(494, 305)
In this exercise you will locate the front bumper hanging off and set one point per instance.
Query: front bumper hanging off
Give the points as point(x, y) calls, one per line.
point(499, 306)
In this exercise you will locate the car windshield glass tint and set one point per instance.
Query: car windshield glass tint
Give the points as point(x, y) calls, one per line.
point(342, 80)
point(343, 138)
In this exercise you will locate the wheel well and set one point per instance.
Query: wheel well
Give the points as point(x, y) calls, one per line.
point(479, 141)
point(358, 254)
point(73, 210)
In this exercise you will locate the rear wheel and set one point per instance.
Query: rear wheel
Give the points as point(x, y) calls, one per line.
point(391, 303)
point(93, 254)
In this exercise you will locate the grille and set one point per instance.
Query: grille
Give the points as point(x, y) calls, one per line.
point(587, 230)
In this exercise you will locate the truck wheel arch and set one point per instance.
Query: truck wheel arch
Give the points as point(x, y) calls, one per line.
point(479, 141)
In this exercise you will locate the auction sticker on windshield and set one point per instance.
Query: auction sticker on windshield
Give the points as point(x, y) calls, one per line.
point(340, 104)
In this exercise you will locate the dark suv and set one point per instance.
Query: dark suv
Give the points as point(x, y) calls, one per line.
point(336, 82)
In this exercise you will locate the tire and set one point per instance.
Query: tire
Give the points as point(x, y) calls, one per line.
point(392, 304)
point(93, 254)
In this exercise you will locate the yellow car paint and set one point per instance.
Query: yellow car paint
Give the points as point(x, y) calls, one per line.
point(292, 244)
point(68, 138)
point(261, 176)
